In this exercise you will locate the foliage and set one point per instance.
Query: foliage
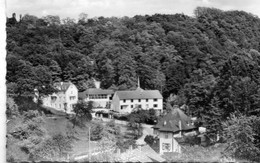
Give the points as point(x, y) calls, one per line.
point(242, 135)
point(83, 112)
point(96, 132)
point(11, 108)
point(56, 148)
point(153, 142)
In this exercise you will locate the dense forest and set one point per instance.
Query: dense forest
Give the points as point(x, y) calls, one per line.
point(209, 62)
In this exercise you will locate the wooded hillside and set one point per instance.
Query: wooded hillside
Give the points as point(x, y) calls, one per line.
point(210, 61)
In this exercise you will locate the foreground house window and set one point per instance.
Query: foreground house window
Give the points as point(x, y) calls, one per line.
point(166, 135)
point(166, 147)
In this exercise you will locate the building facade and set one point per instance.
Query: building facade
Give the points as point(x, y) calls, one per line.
point(64, 99)
point(127, 101)
point(101, 98)
point(171, 127)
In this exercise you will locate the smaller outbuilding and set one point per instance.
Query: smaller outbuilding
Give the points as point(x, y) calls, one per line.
point(173, 125)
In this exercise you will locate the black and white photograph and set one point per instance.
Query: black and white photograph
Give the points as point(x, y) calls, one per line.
point(130, 80)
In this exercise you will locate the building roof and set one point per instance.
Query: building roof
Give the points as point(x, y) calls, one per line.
point(142, 154)
point(171, 122)
point(95, 91)
point(63, 86)
point(139, 94)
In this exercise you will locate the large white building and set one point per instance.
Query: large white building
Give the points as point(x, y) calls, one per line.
point(127, 101)
point(101, 98)
point(64, 99)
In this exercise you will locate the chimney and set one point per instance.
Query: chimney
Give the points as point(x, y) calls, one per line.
point(131, 148)
point(61, 83)
point(180, 125)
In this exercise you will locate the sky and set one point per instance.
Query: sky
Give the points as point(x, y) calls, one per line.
point(120, 8)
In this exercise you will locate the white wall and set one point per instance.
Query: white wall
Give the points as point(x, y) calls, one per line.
point(72, 91)
point(173, 144)
point(146, 105)
point(62, 98)
point(115, 105)
point(99, 102)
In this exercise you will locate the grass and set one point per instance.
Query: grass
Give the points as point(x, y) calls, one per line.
point(58, 124)
point(53, 125)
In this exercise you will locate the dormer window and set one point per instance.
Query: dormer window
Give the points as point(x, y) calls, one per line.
point(164, 123)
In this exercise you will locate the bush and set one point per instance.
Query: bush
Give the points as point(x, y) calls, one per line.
point(153, 142)
point(96, 132)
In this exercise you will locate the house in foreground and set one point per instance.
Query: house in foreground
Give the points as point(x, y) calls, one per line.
point(127, 101)
point(173, 125)
point(64, 99)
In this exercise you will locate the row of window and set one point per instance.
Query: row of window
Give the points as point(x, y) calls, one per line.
point(72, 97)
point(97, 96)
point(59, 105)
point(139, 100)
point(54, 98)
point(139, 106)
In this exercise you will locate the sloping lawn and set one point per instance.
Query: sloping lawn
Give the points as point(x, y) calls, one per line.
point(58, 124)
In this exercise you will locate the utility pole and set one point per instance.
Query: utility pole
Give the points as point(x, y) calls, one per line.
point(89, 156)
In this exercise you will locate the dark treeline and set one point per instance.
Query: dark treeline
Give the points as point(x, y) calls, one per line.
point(210, 61)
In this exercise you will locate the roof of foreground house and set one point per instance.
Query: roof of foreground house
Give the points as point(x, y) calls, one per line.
point(142, 154)
point(139, 94)
point(171, 122)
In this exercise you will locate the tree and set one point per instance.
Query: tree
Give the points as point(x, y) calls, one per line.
point(242, 135)
point(11, 108)
point(83, 112)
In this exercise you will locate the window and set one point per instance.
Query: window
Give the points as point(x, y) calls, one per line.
point(139, 100)
point(166, 147)
point(132, 100)
point(72, 97)
point(124, 100)
point(146, 100)
point(166, 135)
point(155, 99)
point(132, 106)
point(121, 107)
point(155, 105)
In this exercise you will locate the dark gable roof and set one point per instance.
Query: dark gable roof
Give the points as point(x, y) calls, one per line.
point(62, 86)
point(94, 91)
point(170, 122)
point(139, 94)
